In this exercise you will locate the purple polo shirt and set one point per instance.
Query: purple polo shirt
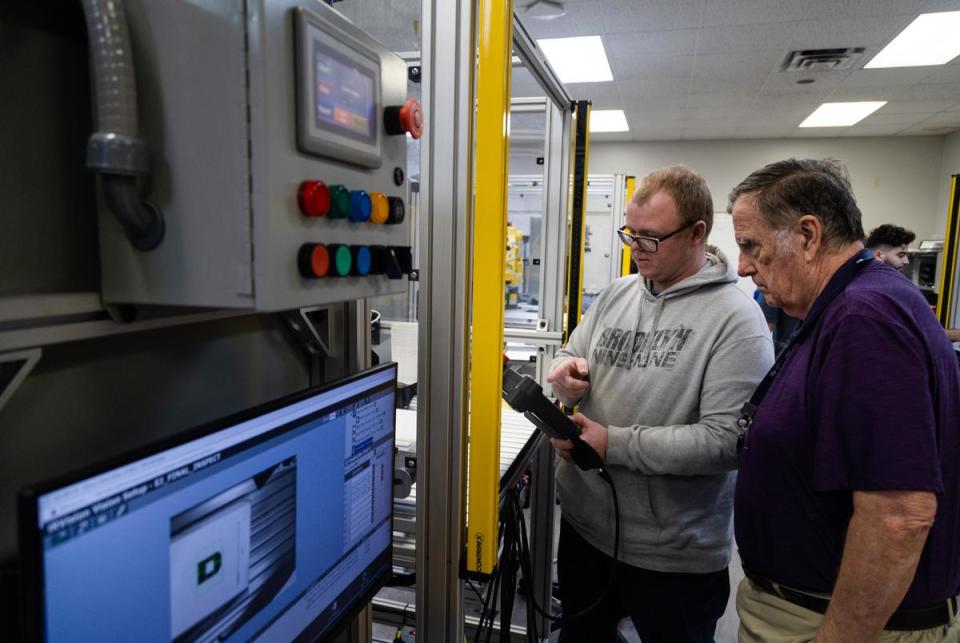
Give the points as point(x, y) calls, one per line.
point(869, 400)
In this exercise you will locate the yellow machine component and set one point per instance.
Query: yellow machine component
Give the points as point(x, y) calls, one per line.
point(513, 275)
point(625, 253)
point(577, 218)
point(495, 48)
point(951, 245)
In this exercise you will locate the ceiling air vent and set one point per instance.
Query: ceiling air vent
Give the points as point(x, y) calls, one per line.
point(822, 59)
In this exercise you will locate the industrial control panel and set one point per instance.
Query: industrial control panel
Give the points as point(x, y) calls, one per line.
point(278, 138)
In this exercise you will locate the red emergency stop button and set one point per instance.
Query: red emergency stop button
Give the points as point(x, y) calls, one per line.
point(406, 118)
point(314, 198)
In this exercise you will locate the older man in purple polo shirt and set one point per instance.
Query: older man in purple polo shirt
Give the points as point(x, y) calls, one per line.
point(847, 507)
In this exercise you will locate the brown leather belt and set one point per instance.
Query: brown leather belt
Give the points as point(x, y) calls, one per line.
point(903, 620)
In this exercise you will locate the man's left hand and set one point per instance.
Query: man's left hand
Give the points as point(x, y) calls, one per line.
point(592, 433)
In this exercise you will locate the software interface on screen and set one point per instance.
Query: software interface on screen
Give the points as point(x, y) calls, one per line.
point(265, 530)
point(345, 94)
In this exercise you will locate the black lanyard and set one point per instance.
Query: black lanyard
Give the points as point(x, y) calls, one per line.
point(837, 284)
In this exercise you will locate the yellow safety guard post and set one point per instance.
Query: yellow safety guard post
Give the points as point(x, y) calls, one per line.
point(625, 253)
point(495, 45)
point(951, 245)
point(578, 215)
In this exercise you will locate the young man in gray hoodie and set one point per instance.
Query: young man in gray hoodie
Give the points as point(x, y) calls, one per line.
point(660, 366)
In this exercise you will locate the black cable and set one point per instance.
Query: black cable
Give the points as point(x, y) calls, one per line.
point(486, 610)
point(605, 475)
point(475, 591)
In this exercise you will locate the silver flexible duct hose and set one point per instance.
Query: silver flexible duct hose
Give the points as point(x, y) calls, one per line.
point(114, 150)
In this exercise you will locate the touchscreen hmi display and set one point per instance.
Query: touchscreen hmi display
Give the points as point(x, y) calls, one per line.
point(345, 99)
point(272, 525)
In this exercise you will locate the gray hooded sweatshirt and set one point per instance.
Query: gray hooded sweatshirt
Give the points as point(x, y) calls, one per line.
point(668, 375)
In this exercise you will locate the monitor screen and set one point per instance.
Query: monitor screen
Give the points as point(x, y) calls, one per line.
point(345, 94)
point(271, 525)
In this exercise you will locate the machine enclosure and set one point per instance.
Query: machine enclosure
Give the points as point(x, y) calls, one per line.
point(218, 108)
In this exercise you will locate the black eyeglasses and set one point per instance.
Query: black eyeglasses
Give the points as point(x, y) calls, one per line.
point(648, 244)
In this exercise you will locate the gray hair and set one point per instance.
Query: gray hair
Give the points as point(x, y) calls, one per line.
point(786, 190)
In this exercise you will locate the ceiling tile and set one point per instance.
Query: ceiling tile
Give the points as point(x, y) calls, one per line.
point(846, 93)
point(886, 77)
point(701, 68)
point(785, 103)
point(651, 103)
point(651, 67)
point(880, 117)
point(707, 133)
point(867, 31)
point(737, 65)
point(762, 131)
point(581, 19)
point(945, 74)
point(924, 130)
point(720, 100)
point(705, 111)
point(734, 38)
point(628, 16)
point(944, 118)
point(870, 130)
point(786, 81)
point(653, 87)
point(929, 92)
point(709, 85)
point(676, 42)
point(732, 120)
point(916, 106)
point(748, 12)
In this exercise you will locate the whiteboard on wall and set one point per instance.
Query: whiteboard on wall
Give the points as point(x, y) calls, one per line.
point(722, 237)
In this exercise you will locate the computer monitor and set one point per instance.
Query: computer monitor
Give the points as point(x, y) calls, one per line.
point(272, 525)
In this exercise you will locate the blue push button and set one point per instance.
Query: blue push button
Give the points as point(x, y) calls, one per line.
point(360, 206)
point(362, 260)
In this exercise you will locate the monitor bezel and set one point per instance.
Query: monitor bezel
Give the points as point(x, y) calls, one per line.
point(328, 142)
point(29, 537)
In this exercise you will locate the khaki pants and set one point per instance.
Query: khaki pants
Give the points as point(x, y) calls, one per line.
point(767, 618)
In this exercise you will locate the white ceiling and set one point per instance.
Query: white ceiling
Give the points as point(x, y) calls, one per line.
point(709, 69)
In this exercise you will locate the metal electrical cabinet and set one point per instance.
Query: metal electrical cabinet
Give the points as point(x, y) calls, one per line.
point(272, 125)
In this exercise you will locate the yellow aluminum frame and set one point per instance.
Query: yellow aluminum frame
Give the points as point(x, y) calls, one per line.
point(625, 253)
point(951, 245)
point(573, 316)
point(494, 65)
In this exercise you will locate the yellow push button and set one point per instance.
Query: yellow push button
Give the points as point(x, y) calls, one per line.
point(381, 207)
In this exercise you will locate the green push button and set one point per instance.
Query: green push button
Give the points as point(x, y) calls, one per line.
point(339, 202)
point(342, 259)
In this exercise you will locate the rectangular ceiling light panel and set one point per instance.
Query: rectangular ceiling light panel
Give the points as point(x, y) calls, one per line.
point(931, 39)
point(608, 120)
point(842, 114)
point(577, 60)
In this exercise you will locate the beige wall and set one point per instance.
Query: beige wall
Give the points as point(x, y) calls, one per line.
point(896, 179)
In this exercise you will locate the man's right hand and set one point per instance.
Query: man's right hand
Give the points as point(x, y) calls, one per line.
point(569, 378)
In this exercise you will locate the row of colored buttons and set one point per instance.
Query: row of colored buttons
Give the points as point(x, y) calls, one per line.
point(318, 260)
point(337, 202)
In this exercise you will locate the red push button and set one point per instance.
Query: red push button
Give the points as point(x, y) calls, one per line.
point(313, 260)
point(314, 198)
